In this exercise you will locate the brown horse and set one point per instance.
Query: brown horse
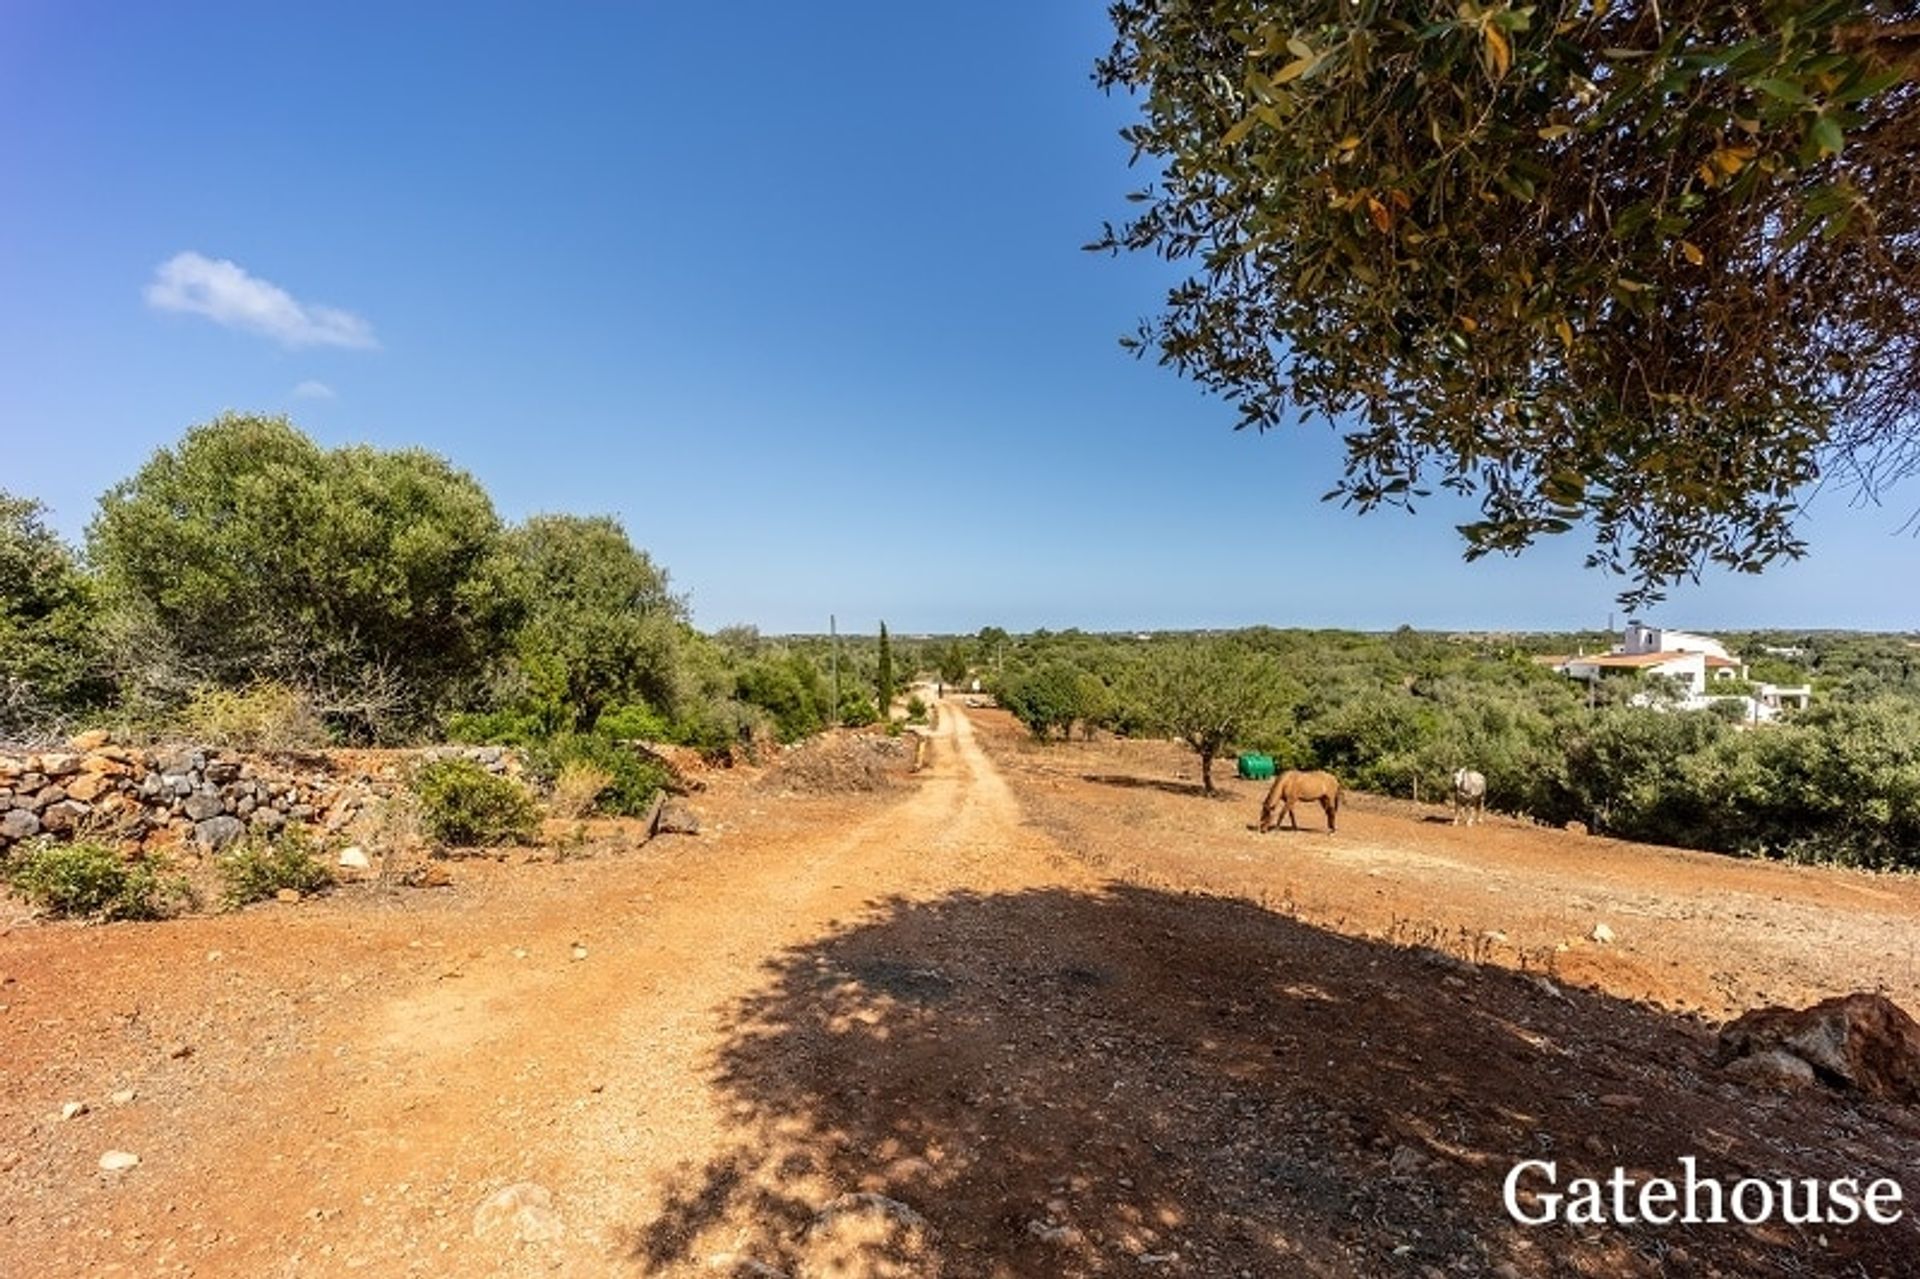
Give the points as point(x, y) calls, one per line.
point(1294, 786)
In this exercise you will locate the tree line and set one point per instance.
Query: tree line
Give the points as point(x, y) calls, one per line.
point(248, 582)
point(1398, 713)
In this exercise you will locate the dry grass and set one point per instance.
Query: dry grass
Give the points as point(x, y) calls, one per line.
point(577, 788)
point(842, 763)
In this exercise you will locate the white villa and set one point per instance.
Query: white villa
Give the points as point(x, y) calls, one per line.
point(1695, 663)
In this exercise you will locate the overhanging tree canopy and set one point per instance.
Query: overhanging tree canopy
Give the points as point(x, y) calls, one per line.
point(1654, 267)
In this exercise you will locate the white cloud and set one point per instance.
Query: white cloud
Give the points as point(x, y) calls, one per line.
point(312, 390)
point(224, 293)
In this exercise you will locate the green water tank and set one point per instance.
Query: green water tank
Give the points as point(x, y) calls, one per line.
point(1256, 768)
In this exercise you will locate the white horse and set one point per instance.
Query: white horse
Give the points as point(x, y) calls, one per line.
point(1469, 795)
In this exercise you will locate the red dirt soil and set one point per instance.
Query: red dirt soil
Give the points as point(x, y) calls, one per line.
point(1080, 1019)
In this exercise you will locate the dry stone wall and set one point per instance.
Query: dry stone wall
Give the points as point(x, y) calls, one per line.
point(197, 796)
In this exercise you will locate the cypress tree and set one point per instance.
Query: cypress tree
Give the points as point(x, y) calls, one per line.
point(886, 675)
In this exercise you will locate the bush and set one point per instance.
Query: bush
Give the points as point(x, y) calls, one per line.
point(90, 879)
point(577, 789)
point(495, 728)
point(465, 805)
point(916, 709)
point(259, 868)
point(639, 723)
point(633, 778)
point(264, 716)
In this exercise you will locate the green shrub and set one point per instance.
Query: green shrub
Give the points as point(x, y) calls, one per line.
point(632, 723)
point(258, 868)
point(90, 879)
point(465, 805)
point(633, 777)
point(494, 728)
point(916, 709)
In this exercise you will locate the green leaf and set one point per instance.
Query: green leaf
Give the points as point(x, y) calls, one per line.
point(1784, 90)
point(1826, 135)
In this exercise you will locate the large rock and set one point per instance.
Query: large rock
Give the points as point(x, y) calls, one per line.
point(88, 787)
point(217, 833)
point(675, 818)
point(870, 1236)
point(55, 764)
point(64, 816)
point(267, 820)
point(19, 823)
point(204, 803)
point(523, 1211)
point(1861, 1042)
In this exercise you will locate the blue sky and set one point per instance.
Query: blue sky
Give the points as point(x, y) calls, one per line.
point(795, 291)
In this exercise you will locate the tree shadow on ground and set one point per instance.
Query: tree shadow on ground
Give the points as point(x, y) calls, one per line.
point(1193, 789)
point(1143, 1083)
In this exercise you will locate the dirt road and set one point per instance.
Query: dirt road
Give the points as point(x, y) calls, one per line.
point(940, 994)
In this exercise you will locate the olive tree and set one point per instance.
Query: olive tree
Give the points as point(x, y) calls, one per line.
point(49, 655)
point(372, 580)
point(1646, 267)
point(601, 625)
point(1211, 694)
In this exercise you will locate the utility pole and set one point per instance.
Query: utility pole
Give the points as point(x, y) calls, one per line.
point(833, 660)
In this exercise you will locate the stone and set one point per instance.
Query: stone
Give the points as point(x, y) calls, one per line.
point(524, 1210)
point(871, 1235)
point(676, 819)
point(1859, 1042)
point(91, 740)
point(204, 803)
point(354, 857)
point(267, 820)
point(287, 895)
point(735, 1266)
point(216, 834)
point(118, 1161)
point(1059, 1236)
point(88, 787)
point(73, 1110)
point(51, 793)
point(106, 766)
point(64, 816)
point(219, 772)
point(1602, 934)
point(55, 765)
point(19, 823)
point(125, 1097)
point(1773, 1069)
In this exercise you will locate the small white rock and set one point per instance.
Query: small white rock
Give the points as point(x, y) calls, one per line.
point(118, 1161)
point(579, 951)
point(1602, 934)
point(124, 1097)
point(73, 1110)
point(353, 857)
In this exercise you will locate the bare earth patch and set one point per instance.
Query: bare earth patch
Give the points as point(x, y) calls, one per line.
point(1029, 1012)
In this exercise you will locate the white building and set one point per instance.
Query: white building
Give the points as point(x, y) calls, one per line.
point(1694, 663)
